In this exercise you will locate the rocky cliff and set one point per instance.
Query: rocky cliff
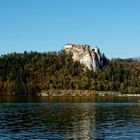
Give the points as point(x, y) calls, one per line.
point(91, 58)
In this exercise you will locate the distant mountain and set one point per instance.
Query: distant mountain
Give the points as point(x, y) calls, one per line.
point(137, 59)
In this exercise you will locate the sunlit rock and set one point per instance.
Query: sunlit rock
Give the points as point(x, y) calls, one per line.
point(91, 58)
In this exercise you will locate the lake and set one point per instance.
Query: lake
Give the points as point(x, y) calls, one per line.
point(68, 118)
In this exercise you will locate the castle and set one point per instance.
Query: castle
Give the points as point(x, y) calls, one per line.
point(91, 58)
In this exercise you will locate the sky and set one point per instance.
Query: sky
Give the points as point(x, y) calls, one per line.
point(47, 25)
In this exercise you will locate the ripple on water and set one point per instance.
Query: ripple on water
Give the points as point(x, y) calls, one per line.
point(69, 121)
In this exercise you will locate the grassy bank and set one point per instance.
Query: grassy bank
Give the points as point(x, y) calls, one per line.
point(68, 93)
point(83, 93)
point(77, 93)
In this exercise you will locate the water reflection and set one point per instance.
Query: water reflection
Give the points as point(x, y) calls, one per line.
point(67, 99)
point(75, 120)
point(82, 121)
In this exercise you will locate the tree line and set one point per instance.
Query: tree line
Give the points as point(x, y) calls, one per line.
point(31, 72)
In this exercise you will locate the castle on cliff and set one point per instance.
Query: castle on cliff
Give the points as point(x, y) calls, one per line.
point(91, 58)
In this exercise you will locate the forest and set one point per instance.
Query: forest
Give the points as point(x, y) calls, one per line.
point(29, 73)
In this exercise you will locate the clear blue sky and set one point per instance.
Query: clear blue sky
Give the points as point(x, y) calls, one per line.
point(46, 25)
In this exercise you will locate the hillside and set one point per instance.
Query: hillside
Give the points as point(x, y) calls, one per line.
point(30, 73)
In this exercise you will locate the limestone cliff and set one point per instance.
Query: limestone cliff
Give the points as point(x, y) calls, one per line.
point(91, 58)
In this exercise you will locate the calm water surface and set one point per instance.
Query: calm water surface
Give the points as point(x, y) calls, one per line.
point(64, 118)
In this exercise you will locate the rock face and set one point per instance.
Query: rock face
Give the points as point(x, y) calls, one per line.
point(91, 58)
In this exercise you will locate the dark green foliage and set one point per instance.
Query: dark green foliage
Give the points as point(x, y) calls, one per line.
point(29, 73)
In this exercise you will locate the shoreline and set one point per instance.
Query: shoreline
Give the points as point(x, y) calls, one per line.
point(83, 93)
point(76, 93)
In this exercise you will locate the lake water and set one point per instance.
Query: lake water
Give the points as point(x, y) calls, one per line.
point(70, 118)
